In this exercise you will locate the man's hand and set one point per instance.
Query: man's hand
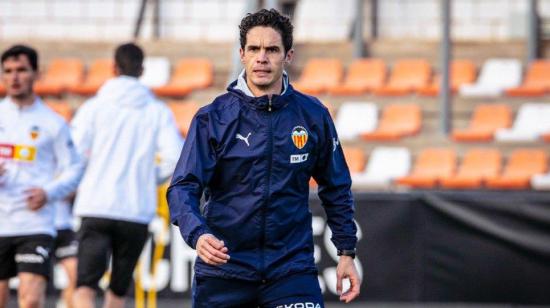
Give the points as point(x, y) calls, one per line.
point(36, 198)
point(346, 269)
point(211, 250)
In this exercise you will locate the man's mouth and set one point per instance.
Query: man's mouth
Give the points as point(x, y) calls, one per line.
point(262, 71)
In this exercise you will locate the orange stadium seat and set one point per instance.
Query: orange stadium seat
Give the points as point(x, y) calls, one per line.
point(364, 75)
point(397, 121)
point(319, 75)
point(61, 75)
point(355, 158)
point(2, 89)
point(190, 74)
point(407, 76)
point(476, 167)
point(183, 111)
point(521, 166)
point(536, 83)
point(432, 165)
point(485, 121)
point(99, 72)
point(62, 108)
point(545, 137)
point(462, 72)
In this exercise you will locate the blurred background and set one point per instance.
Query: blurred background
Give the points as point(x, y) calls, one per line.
point(442, 108)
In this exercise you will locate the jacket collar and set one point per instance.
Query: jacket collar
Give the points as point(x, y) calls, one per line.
point(240, 89)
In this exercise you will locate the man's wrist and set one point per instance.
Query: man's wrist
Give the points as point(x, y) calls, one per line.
point(346, 252)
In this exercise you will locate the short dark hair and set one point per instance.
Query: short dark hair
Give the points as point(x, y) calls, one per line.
point(267, 18)
point(17, 50)
point(129, 59)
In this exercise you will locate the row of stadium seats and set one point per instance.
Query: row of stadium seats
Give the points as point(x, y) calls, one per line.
point(409, 76)
point(67, 75)
point(488, 122)
point(438, 168)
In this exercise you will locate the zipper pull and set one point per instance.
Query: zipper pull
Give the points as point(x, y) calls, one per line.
point(269, 106)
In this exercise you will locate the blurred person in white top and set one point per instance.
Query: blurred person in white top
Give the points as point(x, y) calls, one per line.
point(131, 144)
point(34, 144)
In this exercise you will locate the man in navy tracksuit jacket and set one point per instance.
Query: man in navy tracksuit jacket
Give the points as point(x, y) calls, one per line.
point(252, 153)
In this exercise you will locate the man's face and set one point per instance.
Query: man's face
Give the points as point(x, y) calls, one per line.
point(264, 58)
point(18, 76)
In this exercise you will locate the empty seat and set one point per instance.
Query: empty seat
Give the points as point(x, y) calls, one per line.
point(62, 108)
point(61, 75)
point(537, 80)
point(183, 113)
point(364, 75)
point(396, 122)
point(496, 76)
point(545, 137)
point(477, 166)
point(431, 165)
point(355, 158)
point(521, 166)
point(486, 119)
point(100, 71)
point(532, 120)
point(156, 71)
point(384, 165)
point(461, 72)
point(319, 75)
point(190, 74)
point(407, 76)
point(355, 118)
point(2, 89)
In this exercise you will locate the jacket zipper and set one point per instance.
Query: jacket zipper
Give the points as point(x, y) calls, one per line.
point(266, 203)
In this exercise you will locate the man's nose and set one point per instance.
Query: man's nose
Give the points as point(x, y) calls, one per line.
point(262, 57)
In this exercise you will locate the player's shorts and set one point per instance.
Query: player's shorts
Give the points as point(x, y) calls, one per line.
point(297, 290)
point(65, 245)
point(98, 237)
point(25, 254)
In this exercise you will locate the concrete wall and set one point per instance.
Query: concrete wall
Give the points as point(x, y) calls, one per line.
point(217, 20)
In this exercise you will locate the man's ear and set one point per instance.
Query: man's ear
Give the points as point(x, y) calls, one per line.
point(241, 54)
point(289, 56)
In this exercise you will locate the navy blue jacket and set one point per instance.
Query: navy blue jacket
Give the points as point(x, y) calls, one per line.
point(253, 159)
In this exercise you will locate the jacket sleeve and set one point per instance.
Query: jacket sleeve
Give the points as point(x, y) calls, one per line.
point(69, 163)
point(169, 145)
point(82, 128)
point(332, 175)
point(193, 173)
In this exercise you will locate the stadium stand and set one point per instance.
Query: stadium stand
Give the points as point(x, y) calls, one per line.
point(461, 72)
point(100, 70)
point(62, 108)
point(486, 119)
point(536, 83)
point(355, 158)
point(531, 121)
point(431, 165)
point(522, 165)
point(407, 76)
point(319, 75)
point(356, 118)
point(364, 75)
point(190, 74)
point(496, 76)
point(61, 75)
point(478, 165)
point(183, 113)
point(397, 121)
point(384, 165)
point(156, 71)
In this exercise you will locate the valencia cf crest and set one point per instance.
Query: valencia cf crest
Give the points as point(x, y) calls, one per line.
point(35, 131)
point(299, 136)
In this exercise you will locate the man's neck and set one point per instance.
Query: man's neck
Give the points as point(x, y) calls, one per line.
point(22, 102)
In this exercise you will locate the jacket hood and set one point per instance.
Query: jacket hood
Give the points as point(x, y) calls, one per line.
point(125, 91)
point(240, 88)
